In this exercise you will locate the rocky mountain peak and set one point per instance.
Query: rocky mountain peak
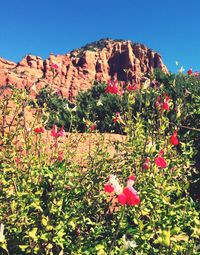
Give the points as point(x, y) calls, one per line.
point(100, 60)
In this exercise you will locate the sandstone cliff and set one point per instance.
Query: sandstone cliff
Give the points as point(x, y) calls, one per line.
point(77, 70)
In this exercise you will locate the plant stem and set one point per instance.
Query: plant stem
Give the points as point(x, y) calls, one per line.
point(117, 231)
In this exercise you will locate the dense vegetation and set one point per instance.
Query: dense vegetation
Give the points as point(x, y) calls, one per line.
point(50, 203)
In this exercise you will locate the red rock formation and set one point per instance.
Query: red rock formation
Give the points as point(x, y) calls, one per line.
point(78, 69)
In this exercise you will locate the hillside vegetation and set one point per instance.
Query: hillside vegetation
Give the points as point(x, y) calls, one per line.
point(66, 187)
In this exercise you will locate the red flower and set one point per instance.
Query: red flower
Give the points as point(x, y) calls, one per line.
point(146, 164)
point(165, 105)
point(134, 199)
point(108, 188)
point(132, 178)
point(174, 139)
point(128, 195)
point(39, 130)
point(132, 87)
point(116, 119)
point(122, 199)
point(54, 131)
point(112, 88)
point(160, 161)
point(129, 190)
point(132, 196)
point(189, 71)
point(196, 74)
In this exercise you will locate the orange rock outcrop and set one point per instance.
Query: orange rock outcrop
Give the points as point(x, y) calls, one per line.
point(77, 70)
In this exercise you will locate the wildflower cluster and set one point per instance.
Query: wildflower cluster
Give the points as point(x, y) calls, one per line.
point(39, 130)
point(190, 72)
point(127, 195)
point(163, 103)
point(113, 88)
point(52, 206)
point(132, 87)
point(55, 133)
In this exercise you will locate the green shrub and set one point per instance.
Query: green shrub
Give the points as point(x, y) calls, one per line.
point(56, 109)
point(97, 106)
point(51, 206)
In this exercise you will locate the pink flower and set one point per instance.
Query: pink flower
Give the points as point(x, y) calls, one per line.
point(61, 132)
point(54, 66)
point(154, 84)
point(108, 188)
point(122, 199)
point(174, 139)
point(128, 195)
point(55, 133)
point(39, 130)
point(146, 164)
point(160, 161)
point(161, 152)
point(189, 72)
point(60, 157)
point(132, 196)
point(93, 127)
point(131, 181)
point(17, 160)
point(196, 74)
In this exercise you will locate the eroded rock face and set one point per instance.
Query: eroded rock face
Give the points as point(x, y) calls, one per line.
point(79, 68)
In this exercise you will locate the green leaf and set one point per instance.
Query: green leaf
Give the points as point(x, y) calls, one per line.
point(72, 224)
point(165, 235)
point(23, 247)
point(44, 221)
point(32, 233)
point(99, 247)
point(181, 237)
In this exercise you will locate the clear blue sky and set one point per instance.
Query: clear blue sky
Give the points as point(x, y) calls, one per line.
point(170, 27)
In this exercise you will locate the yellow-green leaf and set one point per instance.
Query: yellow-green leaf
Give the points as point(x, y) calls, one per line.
point(32, 233)
point(23, 247)
point(181, 237)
